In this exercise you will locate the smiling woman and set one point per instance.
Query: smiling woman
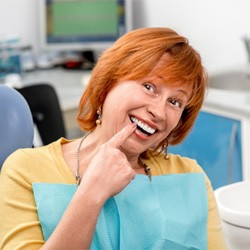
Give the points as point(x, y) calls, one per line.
point(145, 92)
point(125, 60)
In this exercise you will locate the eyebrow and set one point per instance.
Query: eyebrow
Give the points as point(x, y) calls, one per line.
point(182, 91)
point(178, 90)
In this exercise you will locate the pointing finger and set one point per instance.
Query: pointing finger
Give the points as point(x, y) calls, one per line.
point(118, 139)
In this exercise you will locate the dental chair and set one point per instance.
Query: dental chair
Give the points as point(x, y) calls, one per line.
point(16, 123)
point(46, 111)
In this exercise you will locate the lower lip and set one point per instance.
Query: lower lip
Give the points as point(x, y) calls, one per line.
point(140, 135)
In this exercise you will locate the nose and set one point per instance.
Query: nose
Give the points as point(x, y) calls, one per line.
point(157, 110)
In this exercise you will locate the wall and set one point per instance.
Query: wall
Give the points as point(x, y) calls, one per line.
point(214, 27)
point(20, 17)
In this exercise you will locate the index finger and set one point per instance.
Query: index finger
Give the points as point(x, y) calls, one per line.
point(118, 139)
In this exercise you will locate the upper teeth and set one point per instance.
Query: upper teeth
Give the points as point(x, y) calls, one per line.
point(144, 126)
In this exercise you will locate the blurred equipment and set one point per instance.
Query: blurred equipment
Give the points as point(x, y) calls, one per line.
point(246, 41)
point(13, 80)
point(77, 60)
point(83, 25)
point(27, 58)
point(16, 124)
point(10, 61)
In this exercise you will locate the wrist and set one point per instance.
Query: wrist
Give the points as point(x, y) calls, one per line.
point(91, 195)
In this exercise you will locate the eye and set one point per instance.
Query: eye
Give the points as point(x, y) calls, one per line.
point(149, 86)
point(176, 103)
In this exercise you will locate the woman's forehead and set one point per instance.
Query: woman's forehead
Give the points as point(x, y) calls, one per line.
point(170, 72)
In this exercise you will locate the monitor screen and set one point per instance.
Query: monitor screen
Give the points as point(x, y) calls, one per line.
point(83, 24)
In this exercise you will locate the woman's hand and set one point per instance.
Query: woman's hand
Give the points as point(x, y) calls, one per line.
point(107, 174)
point(109, 171)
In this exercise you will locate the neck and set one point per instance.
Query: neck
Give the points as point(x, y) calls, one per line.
point(88, 145)
point(97, 138)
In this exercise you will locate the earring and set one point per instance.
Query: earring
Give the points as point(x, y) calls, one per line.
point(165, 149)
point(99, 115)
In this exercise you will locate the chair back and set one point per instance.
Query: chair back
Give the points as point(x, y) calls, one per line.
point(45, 108)
point(16, 123)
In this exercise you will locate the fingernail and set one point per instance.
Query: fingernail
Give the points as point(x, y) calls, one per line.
point(133, 125)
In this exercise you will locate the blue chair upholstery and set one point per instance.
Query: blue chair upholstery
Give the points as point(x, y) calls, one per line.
point(16, 123)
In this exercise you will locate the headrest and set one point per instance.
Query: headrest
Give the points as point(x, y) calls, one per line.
point(16, 123)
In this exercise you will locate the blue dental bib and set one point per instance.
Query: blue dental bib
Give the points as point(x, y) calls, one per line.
point(168, 213)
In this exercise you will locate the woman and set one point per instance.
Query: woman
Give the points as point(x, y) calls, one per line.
point(145, 93)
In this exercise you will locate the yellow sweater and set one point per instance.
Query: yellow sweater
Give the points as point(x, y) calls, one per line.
point(19, 223)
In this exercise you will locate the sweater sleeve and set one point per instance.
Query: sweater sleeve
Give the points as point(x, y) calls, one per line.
point(20, 226)
point(215, 234)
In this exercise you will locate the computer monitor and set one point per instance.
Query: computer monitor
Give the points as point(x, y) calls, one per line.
point(80, 25)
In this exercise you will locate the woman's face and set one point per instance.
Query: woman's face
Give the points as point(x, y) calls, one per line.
point(153, 104)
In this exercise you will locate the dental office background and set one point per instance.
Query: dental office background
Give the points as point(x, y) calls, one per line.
point(214, 27)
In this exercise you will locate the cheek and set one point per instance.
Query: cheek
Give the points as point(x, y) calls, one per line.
point(177, 121)
point(120, 97)
point(173, 119)
point(115, 111)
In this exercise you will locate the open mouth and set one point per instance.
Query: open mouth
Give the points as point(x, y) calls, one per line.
point(143, 127)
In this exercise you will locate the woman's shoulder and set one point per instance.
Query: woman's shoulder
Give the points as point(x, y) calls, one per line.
point(39, 152)
point(28, 162)
point(172, 164)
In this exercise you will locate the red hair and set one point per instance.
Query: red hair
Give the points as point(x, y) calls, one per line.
point(132, 57)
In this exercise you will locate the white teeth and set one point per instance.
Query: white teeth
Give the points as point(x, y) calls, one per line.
point(143, 126)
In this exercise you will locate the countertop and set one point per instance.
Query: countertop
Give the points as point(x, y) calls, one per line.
point(70, 84)
point(235, 102)
point(231, 101)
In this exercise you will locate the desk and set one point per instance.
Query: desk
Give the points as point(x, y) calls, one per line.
point(69, 85)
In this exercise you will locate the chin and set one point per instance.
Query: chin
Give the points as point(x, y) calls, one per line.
point(133, 149)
